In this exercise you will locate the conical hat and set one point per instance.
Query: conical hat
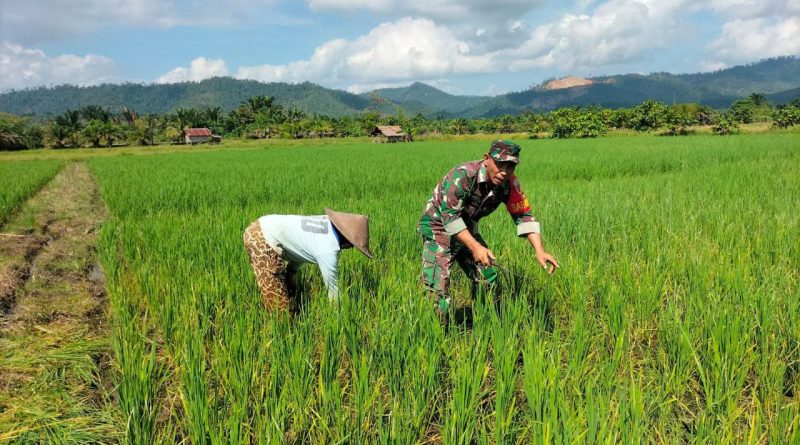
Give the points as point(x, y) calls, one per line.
point(355, 228)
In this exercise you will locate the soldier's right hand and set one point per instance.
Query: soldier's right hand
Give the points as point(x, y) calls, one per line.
point(483, 255)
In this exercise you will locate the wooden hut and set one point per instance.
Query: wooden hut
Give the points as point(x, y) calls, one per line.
point(389, 133)
point(193, 136)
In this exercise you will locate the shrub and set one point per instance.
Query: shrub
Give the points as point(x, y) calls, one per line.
point(650, 115)
point(786, 116)
point(576, 122)
point(726, 124)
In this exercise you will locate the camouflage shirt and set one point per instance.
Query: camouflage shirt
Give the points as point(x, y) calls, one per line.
point(465, 195)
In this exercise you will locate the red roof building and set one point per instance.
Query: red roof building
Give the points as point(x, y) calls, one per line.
point(197, 132)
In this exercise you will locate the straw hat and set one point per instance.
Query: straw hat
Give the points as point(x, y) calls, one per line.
point(355, 228)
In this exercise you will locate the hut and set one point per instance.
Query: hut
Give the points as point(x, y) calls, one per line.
point(193, 136)
point(389, 133)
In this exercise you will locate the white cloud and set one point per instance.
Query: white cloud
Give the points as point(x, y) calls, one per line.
point(485, 25)
point(34, 22)
point(407, 49)
point(745, 40)
point(22, 67)
point(199, 69)
point(617, 31)
point(749, 9)
point(443, 11)
point(754, 30)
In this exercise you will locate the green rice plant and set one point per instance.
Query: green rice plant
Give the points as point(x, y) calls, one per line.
point(505, 353)
point(542, 388)
point(21, 179)
point(672, 319)
point(140, 374)
point(469, 370)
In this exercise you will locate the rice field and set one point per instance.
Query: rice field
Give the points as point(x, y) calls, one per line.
point(20, 180)
point(675, 317)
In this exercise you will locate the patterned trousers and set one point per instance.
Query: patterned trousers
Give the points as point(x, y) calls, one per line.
point(269, 268)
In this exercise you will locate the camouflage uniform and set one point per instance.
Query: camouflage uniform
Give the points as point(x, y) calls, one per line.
point(459, 201)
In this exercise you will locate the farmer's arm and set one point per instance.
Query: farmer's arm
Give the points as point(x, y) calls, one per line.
point(520, 210)
point(547, 261)
point(456, 188)
point(480, 254)
point(329, 268)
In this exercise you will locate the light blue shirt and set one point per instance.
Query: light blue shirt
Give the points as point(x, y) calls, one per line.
point(305, 239)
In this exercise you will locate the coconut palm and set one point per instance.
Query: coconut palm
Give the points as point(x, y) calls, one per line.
point(95, 112)
point(70, 127)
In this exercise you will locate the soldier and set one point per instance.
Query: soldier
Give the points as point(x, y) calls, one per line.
point(278, 244)
point(449, 224)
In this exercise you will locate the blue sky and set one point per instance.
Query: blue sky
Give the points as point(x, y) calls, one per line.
point(460, 46)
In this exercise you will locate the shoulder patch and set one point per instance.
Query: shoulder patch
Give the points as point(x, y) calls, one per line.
point(517, 201)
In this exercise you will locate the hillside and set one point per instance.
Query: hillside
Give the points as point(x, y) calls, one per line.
point(224, 92)
point(778, 78)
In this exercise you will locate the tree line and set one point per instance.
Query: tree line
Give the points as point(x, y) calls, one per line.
point(262, 117)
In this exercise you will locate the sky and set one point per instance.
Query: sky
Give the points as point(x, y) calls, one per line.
point(465, 47)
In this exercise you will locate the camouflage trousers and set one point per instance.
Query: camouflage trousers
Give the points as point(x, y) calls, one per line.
point(438, 254)
point(273, 277)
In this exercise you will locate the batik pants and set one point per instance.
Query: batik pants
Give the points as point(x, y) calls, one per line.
point(269, 267)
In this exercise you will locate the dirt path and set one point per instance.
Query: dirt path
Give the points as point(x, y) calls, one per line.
point(54, 343)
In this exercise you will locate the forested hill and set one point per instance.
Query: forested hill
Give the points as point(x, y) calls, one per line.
point(778, 78)
point(224, 92)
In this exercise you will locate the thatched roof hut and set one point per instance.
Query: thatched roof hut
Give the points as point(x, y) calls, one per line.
point(389, 133)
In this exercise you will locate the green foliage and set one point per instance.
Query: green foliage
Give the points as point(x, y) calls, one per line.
point(648, 116)
point(726, 124)
point(21, 179)
point(742, 111)
point(576, 122)
point(786, 116)
point(620, 351)
point(679, 119)
point(18, 133)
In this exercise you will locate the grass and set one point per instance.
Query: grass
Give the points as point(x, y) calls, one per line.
point(21, 180)
point(673, 319)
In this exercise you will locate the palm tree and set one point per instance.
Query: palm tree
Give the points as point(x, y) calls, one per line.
point(94, 112)
point(150, 129)
point(71, 125)
point(58, 135)
point(9, 140)
point(212, 115)
point(460, 126)
point(757, 99)
point(258, 103)
point(129, 115)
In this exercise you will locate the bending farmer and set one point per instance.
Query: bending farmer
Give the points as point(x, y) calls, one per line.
point(278, 244)
point(449, 224)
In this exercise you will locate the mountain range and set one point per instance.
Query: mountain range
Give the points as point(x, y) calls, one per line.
point(777, 78)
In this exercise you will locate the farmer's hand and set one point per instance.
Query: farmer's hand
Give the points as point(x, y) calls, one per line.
point(547, 261)
point(482, 255)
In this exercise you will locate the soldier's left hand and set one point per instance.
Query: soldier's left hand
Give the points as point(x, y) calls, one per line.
point(548, 262)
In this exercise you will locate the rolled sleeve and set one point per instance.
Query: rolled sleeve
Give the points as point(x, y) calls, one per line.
point(527, 227)
point(455, 226)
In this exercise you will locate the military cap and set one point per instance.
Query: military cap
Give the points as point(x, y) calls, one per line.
point(504, 151)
